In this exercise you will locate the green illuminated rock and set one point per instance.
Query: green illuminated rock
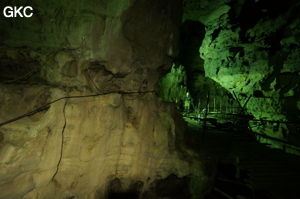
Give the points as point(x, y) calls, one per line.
point(251, 48)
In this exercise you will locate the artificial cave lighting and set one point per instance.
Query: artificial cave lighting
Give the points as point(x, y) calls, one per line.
point(149, 99)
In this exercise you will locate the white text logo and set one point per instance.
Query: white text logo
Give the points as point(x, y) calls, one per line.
point(10, 11)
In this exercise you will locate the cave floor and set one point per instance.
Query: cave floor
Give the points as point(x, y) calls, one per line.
point(245, 166)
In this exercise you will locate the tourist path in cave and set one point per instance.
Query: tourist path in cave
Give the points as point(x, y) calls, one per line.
point(249, 163)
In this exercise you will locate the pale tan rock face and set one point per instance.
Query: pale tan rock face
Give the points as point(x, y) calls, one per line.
point(30, 149)
point(78, 145)
point(98, 62)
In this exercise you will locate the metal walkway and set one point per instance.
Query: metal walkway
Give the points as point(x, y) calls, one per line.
point(255, 166)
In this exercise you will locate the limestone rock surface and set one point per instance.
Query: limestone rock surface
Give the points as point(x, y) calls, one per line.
point(80, 117)
point(251, 48)
point(76, 146)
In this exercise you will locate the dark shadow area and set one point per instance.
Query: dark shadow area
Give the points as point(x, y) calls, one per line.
point(191, 36)
point(125, 195)
point(173, 187)
point(246, 168)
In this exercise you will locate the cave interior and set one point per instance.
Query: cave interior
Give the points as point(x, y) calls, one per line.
point(150, 99)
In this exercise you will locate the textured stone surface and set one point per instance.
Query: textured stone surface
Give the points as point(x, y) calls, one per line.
point(79, 145)
point(31, 148)
point(118, 45)
point(106, 130)
point(188, 74)
point(251, 48)
point(173, 86)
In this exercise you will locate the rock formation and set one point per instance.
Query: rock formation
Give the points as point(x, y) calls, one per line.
point(80, 114)
point(251, 48)
point(80, 117)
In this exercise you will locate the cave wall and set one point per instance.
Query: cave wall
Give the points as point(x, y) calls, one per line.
point(188, 75)
point(62, 40)
point(80, 111)
point(173, 86)
point(77, 147)
point(251, 48)
point(192, 34)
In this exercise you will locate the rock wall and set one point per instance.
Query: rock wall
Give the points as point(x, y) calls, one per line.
point(80, 116)
point(251, 48)
point(110, 42)
point(173, 86)
point(76, 146)
point(188, 75)
point(192, 34)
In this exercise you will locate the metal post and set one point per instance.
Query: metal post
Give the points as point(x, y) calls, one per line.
point(205, 115)
point(214, 104)
point(207, 107)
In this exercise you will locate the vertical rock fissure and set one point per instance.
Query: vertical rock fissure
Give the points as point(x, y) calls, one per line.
point(62, 140)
